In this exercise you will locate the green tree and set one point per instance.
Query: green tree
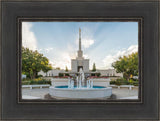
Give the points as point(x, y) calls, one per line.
point(66, 69)
point(94, 67)
point(47, 68)
point(128, 65)
point(33, 62)
point(58, 68)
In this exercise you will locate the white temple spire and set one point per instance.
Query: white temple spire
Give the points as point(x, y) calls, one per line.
point(80, 52)
point(79, 38)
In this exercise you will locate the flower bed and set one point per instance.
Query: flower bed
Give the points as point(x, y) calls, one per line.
point(62, 76)
point(92, 77)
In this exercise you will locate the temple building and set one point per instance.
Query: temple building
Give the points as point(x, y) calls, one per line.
point(80, 61)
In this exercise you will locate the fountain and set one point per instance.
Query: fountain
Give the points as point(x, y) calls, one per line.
point(80, 88)
point(80, 80)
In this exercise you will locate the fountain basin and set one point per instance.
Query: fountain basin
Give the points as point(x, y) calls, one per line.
point(80, 93)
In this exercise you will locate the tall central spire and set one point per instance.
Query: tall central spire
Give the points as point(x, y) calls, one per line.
point(80, 52)
point(79, 38)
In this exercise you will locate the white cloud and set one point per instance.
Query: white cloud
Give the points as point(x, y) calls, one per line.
point(45, 50)
point(86, 43)
point(85, 56)
point(62, 58)
point(71, 50)
point(109, 59)
point(62, 61)
point(28, 37)
point(48, 50)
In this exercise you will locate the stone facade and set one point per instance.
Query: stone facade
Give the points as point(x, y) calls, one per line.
point(76, 64)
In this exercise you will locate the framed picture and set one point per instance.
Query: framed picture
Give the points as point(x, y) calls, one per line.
point(83, 60)
point(99, 77)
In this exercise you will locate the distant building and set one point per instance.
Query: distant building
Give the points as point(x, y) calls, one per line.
point(53, 72)
point(109, 72)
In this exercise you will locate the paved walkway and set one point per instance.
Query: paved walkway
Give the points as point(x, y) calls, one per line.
point(124, 93)
point(120, 93)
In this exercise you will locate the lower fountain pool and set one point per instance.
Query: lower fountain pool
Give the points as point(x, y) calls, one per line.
point(84, 89)
point(81, 93)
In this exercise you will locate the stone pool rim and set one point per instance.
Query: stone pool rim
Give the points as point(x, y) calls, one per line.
point(81, 93)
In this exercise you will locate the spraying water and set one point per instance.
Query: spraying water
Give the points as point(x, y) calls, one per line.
point(80, 79)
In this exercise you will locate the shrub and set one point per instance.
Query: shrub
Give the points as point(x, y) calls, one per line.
point(39, 76)
point(66, 74)
point(40, 82)
point(134, 79)
point(60, 75)
point(123, 81)
point(136, 83)
point(118, 82)
point(131, 81)
point(25, 82)
point(92, 74)
point(98, 74)
point(36, 81)
point(24, 79)
point(112, 82)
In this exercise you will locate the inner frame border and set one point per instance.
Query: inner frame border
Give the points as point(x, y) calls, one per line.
point(140, 21)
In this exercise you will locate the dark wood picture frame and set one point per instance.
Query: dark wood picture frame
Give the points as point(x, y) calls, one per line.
point(145, 108)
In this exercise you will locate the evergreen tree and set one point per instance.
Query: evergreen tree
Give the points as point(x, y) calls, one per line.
point(94, 67)
point(66, 69)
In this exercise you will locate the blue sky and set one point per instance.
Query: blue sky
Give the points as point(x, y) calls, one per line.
point(102, 42)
